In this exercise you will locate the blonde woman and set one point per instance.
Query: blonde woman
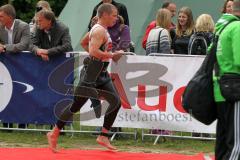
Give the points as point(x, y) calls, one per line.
point(159, 39)
point(203, 35)
point(184, 30)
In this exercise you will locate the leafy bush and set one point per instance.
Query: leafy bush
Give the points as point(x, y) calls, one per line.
point(26, 8)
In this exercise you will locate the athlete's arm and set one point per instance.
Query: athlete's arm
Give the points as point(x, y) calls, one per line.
point(85, 42)
point(97, 39)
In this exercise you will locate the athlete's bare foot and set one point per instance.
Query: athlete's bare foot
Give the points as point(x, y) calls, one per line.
point(104, 141)
point(53, 138)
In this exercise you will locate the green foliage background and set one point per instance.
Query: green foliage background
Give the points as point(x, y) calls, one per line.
point(26, 8)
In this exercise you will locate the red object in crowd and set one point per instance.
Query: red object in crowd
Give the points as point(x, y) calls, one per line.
point(149, 28)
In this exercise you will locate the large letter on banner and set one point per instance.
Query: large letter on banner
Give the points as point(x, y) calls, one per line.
point(151, 91)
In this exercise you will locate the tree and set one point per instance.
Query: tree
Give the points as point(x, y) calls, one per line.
point(2, 2)
point(25, 9)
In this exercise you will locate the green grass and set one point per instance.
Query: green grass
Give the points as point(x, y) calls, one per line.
point(126, 143)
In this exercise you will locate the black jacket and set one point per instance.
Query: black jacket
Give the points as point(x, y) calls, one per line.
point(122, 10)
point(60, 39)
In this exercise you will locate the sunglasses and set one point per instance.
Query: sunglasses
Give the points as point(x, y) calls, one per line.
point(39, 9)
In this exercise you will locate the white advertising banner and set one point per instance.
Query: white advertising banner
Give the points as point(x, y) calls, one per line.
point(151, 88)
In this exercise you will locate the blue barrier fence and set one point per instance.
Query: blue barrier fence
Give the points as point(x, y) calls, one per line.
point(29, 87)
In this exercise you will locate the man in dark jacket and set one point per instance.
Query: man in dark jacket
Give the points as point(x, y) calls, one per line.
point(122, 11)
point(52, 36)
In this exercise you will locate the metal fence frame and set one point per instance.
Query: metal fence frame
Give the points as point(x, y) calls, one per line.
point(134, 133)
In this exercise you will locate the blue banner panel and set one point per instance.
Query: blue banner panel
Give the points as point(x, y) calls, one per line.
point(25, 93)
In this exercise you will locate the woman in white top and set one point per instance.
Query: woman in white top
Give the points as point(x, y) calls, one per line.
point(159, 39)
